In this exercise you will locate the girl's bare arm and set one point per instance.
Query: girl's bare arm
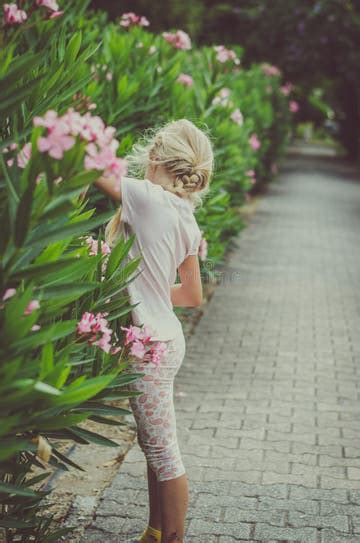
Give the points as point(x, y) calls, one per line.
point(110, 186)
point(188, 293)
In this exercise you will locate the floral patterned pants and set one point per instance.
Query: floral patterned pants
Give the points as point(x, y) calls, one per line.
point(154, 411)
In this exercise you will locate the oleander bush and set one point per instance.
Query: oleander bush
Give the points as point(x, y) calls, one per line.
point(76, 91)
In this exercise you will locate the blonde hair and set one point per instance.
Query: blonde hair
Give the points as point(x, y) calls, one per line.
point(184, 151)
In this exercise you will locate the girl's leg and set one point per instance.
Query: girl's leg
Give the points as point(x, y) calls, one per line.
point(174, 500)
point(156, 431)
point(154, 500)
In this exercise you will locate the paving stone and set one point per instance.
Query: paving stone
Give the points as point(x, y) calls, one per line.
point(339, 522)
point(329, 535)
point(270, 426)
point(199, 527)
point(264, 532)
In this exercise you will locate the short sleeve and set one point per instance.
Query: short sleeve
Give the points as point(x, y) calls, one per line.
point(194, 248)
point(137, 196)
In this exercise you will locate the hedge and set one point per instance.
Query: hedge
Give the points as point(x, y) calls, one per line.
point(71, 85)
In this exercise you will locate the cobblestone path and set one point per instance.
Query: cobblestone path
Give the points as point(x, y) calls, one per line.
point(270, 425)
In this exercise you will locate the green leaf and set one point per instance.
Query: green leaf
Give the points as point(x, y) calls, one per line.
point(73, 49)
point(70, 230)
point(85, 391)
point(102, 409)
point(47, 359)
point(7, 488)
point(66, 460)
point(117, 254)
point(67, 289)
point(79, 180)
point(92, 437)
point(35, 271)
point(50, 333)
point(62, 421)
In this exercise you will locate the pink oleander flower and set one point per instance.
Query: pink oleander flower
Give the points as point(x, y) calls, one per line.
point(287, 89)
point(203, 249)
point(254, 142)
point(237, 117)
point(91, 326)
point(137, 349)
point(9, 293)
point(134, 333)
point(93, 246)
point(49, 120)
point(156, 353)
point(13, 15)
point(179, 40)
point(270, 70)
point(141, 344)
point(56, 143)
point(224, 54)
point(293, 106)
point(101, 147)
point(57, 140)
point(52, 5)
point(185, 80)
point(24, 155)
point(32, 306)
point(104, 342)
point(105, 159)
point(84, 325)
point(131, 19)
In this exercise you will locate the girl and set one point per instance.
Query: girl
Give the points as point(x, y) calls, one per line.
point(175, 165)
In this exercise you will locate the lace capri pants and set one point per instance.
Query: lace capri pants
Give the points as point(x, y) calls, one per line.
point(154, 411)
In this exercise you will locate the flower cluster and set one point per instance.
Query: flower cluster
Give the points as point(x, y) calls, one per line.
point(131, 19)
point(270, 70)
point(13, 15)
point(101, 145)
point(254, 142)
point(237, 117)
point(95, 329)
point(287, 88)
point(142, 346)
point(223, 54)
point(185, 80)
point(222, 98)
point(180, 40)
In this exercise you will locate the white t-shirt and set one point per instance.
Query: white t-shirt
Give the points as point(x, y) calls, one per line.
point(166, 233)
